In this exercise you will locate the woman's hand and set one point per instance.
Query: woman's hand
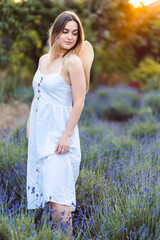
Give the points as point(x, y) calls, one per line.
point(63, 145)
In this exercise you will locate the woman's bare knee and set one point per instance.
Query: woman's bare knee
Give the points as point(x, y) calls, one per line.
point(54, 204)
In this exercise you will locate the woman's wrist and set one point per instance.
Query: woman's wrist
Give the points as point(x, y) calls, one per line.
point(67, 134)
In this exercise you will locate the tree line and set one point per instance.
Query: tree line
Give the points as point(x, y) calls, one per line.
point(122, 36)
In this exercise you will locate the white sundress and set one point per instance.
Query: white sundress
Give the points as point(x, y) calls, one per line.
point(51, 176)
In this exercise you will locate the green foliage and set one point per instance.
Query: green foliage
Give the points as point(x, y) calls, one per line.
point(23, 227)
point(118, 183)
point(125, 144)
point(104, 92)
point(24, 94)
point(114, 28)
point(109, 62)
point(7, 86)
point(24, 37)
point(121, 204)
point(145, 113)
point(144, 129)
point(114, 103)
point(147, 74)
point(5, 233)
point(13, 150)
point(118, 103)
point(23, 32)
point(13, 154)
point(152, 100)
point(125, 36)
point(105, 147)
point(120, 111)
point(91, 186)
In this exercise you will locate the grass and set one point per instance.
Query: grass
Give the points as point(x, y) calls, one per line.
point(117, 191)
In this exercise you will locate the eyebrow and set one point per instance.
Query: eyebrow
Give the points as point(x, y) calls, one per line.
point(68, 29)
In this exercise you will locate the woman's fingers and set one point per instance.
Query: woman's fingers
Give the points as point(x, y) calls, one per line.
point(63, 145)
point(62, 149)
point(56, 148)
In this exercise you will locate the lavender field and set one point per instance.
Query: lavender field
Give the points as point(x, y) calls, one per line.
point(118, 188)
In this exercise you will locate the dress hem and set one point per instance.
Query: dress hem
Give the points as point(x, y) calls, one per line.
point(71, 206)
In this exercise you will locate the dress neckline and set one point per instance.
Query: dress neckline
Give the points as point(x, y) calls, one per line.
point(45, 75)
point(49, 73)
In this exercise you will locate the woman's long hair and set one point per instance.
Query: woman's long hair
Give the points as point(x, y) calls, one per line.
point(56, 29)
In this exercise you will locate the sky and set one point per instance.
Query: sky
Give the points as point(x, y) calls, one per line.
point(136, 3)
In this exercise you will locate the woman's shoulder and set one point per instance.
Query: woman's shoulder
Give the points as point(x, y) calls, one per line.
point(43, 57)
point(73, 60)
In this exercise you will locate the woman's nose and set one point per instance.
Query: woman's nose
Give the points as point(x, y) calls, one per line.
point(69, 36)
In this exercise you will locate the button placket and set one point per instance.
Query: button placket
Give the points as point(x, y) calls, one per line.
point(37, 173)
point(39, 90)
point(40, 81)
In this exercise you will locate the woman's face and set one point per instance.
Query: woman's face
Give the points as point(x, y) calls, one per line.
point(69, 36)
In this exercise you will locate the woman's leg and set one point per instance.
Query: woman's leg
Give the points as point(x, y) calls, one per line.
point(63, 214)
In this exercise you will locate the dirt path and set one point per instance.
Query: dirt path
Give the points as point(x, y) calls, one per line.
point(13, 115)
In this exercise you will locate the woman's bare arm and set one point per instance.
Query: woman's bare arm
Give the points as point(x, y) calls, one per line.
point(77, 77)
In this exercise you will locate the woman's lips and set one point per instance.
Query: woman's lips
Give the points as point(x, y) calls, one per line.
point(68, 42)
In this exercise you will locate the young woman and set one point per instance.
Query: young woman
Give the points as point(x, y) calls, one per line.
point(54, 153)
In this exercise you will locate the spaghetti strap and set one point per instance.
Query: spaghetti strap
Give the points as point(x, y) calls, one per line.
point(60, 68)
point(51, 73)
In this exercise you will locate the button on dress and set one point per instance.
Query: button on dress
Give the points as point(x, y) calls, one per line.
point(51, 176)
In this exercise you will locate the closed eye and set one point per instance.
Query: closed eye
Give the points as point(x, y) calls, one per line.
point(75, 34)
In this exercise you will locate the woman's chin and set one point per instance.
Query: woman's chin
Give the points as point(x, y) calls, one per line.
point(66, 48)
point(69, 46)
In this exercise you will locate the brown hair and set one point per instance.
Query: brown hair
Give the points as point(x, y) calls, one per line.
point(56, 29)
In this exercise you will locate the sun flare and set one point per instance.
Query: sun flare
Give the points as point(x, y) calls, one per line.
point(136, 3)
